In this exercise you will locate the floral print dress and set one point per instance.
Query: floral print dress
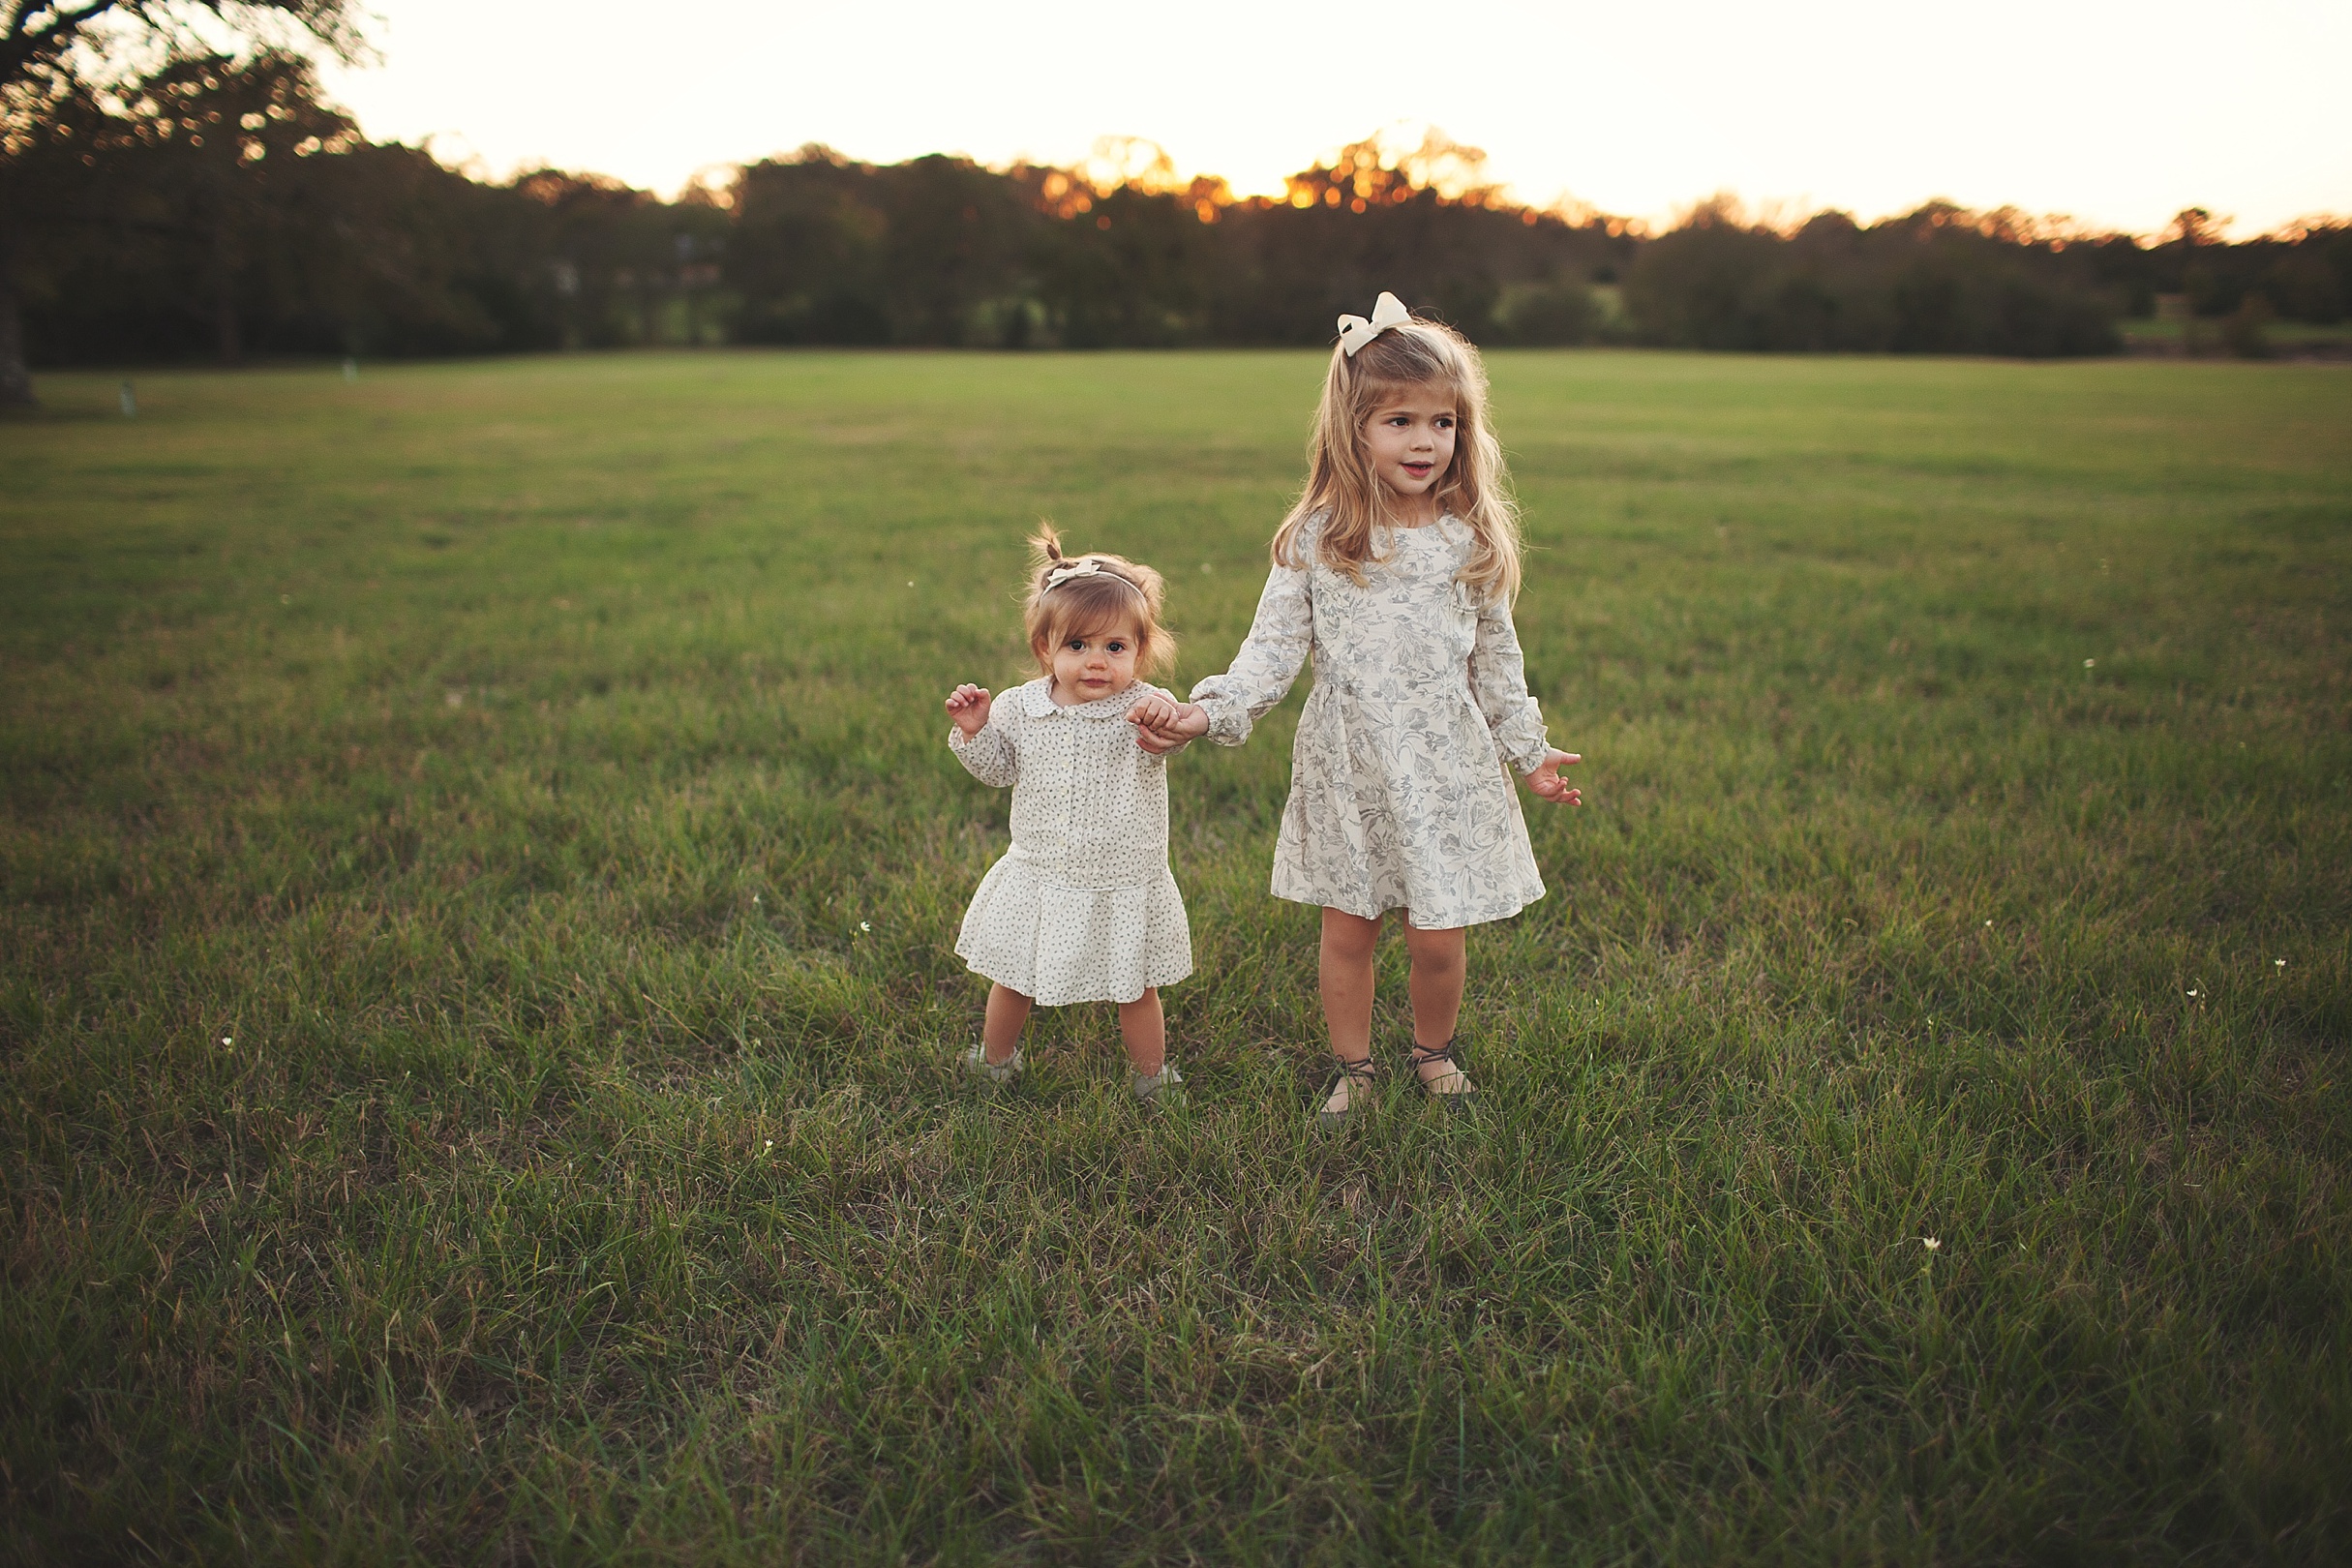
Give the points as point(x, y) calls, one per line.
point(1398, 796)
point(1083, 908)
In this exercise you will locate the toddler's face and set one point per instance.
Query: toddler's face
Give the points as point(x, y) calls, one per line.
point(1409, 438)
point(1091, 665)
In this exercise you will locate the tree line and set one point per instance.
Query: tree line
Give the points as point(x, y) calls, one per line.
point(215, 206)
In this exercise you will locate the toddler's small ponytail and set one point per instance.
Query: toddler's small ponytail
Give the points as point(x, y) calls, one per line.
point(1045, 549)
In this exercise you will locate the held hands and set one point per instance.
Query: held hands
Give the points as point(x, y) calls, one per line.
point(1546, 780)
point(1162, 724)
point(968, 709)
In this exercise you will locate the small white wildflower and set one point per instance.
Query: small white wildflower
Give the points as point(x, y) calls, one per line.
point(1988, 925)
point(2089, 663)
point(769, 1144)
point(1931, 1244)
point(2281, 962)
point(864, 925)
point(755, 898)
point(2193, 993)
point(225, 1039)
point(909, 581)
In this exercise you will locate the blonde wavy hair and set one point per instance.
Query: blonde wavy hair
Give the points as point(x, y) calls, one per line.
point(1350, 498)
point(1118, 591)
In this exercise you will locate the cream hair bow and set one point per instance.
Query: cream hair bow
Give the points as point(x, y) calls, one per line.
point(1088, 567)
point(1355, 331)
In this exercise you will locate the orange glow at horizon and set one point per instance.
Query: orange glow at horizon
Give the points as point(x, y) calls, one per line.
point(1639, 112)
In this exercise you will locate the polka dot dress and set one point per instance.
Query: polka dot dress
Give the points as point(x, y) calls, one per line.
point(1083, 908)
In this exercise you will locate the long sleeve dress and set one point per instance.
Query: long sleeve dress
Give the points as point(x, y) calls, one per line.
point(1397, 797)
point(1083, 907)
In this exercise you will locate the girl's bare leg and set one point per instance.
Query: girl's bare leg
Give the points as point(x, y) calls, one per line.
point(1145, 1029)
point(1346, 972)
point(1007, 1016)
point(1440, 962)
point(1349, 942)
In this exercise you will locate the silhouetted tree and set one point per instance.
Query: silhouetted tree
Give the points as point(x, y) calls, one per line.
point(824, 249)
point(1938, 280)
point(55, 56)
point(1422, 222)
point(218, 205)
point(213, 148)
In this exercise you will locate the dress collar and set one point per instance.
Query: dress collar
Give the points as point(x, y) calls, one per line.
point(1037, 701)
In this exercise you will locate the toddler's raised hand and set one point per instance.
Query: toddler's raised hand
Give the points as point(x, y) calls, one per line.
point(968, 709)
point(1546, 780)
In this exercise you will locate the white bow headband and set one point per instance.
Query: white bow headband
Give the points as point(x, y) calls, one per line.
point(1355, 331)
point(1088, 567)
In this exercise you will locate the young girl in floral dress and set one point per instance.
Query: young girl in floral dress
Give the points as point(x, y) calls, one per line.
point(1396, 571)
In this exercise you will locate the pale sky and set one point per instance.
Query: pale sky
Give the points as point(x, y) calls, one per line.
point(2117, 113)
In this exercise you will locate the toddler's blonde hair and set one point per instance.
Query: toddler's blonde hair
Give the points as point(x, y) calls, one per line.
point(1342, 486)
point(1120, 590)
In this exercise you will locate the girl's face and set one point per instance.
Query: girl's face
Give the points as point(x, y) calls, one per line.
point(1091, 665)
point(1410, 439)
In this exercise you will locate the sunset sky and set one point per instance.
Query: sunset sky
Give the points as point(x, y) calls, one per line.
point(2115, 113)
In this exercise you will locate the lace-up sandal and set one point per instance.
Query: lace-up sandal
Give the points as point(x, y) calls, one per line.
point(1349, 1092)
point(975, 1061)
point(1161, 1091)
point(1451, 1088)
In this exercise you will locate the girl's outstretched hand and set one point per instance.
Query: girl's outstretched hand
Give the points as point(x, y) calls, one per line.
point(968, 709)
point(1162, 724)
point(1546, 780)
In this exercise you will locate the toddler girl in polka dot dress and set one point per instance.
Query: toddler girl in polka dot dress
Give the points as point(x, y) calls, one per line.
point(1083, 908)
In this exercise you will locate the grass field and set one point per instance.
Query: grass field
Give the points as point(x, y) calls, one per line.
point(481, 862)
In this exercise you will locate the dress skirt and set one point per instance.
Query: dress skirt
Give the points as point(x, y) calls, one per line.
point(1056, 944)
point(1402, 804)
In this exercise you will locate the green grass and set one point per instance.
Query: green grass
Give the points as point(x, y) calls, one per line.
point(535, 768)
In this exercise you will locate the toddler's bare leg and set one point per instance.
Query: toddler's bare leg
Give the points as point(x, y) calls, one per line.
point(1008, 1015)
point(1440, 966)
point(1144, 1028)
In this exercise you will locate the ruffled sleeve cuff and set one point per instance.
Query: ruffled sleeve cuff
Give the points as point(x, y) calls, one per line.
point(1524, 742)
point(1229, 721)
